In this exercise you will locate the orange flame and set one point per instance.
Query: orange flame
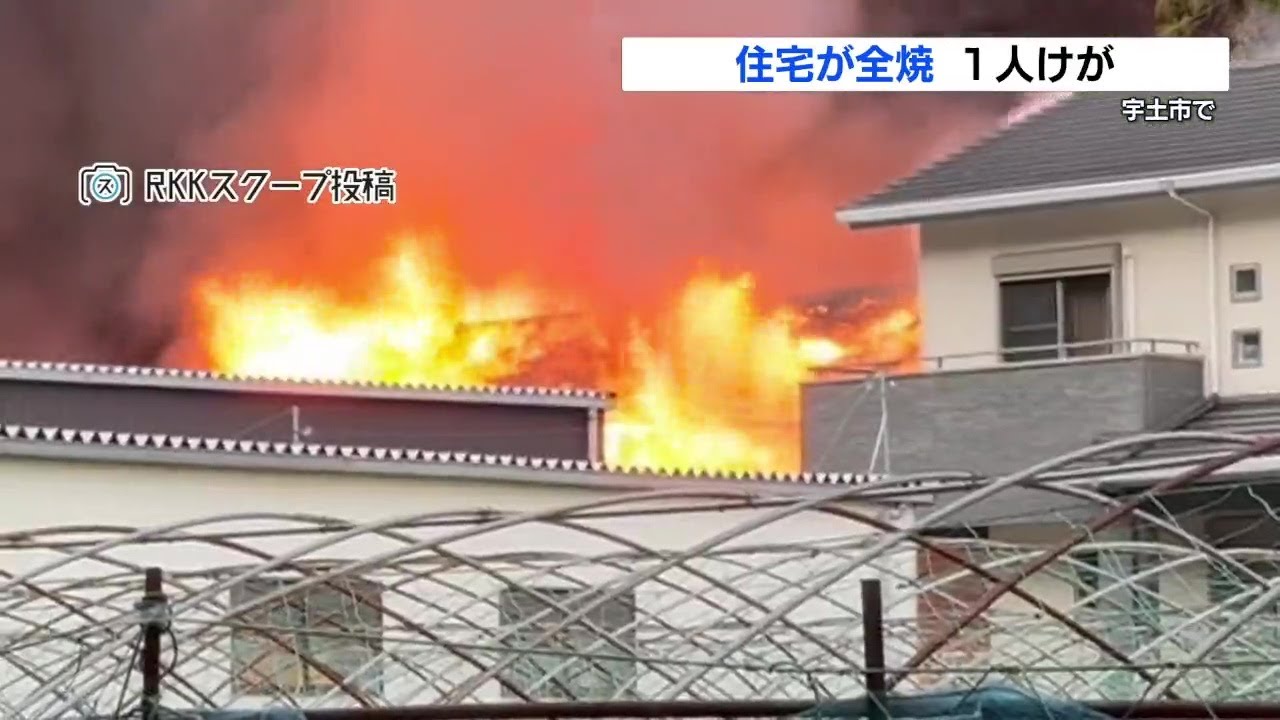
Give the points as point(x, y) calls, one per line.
point(417, 324)
point(712, 385)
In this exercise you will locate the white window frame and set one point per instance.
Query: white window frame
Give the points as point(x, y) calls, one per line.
point(533, 611)
point(1241, 523)
point(1059, 279)
point(1238, 361)
point(297, 638)
point(1238, 296)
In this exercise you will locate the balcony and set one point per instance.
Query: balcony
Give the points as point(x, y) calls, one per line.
point(1053, 354)
point(985, 413)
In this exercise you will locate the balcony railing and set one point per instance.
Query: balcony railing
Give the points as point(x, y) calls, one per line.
point(1062, 351)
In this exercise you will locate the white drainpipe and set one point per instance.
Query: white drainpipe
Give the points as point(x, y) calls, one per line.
point(1212, 374)
point(1129, 297)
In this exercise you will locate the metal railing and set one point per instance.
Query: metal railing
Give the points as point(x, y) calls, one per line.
point(1061, 352)
point(1067, 351)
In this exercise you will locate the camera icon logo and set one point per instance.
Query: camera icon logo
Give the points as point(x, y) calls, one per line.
point(106, 183)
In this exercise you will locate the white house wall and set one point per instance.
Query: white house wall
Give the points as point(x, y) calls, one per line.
point(1027, 635)
point(772, 565)
point(1164, 287)
point(1186, 616)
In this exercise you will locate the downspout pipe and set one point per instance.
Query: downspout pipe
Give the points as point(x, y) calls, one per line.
point(1212, 372)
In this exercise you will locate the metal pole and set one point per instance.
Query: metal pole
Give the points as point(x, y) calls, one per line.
point(873, 648)
point(884, 418)
point(153, 615)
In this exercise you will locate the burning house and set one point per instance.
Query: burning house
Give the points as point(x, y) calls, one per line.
point(707, 381)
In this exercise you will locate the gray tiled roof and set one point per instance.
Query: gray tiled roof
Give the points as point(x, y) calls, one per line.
point(1085, 140)
point(1256, 416)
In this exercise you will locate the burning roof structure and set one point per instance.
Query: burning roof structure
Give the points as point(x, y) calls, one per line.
point(709, 380)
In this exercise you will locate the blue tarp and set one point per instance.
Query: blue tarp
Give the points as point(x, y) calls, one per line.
point(981, 704)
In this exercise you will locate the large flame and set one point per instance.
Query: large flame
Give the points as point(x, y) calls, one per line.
point(417, 323)
point(711, 384)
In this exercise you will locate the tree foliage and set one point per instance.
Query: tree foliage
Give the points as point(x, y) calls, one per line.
point(1185, 18)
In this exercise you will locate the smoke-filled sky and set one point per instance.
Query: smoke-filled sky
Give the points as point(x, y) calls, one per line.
point(504, 119)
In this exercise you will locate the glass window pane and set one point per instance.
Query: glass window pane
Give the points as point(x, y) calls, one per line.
point(1014, 339)
point(1247, 347)
point(606, 629)
point(1032, 303)
point(1087, 313)
point(1246, 280)
point(337, 625)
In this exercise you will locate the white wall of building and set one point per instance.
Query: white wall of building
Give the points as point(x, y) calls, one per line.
point(47, 493)
point(1164, 282)
point(1171, 597)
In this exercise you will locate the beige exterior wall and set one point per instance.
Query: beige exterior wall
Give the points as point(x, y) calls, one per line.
point(1164, 277)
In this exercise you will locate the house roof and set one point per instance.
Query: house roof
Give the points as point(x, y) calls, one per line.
point(1083, 149)
point(67, 444)
point(170, 378)
point(550, 422)
point(1255, 416)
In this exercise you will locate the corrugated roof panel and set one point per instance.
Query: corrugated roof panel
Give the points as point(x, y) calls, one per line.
point(1256, 416)
point(213, 448)
point(204, 379)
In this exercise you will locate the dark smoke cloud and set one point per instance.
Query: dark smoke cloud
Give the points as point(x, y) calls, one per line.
point(136, 83)
point(1025, 18)
point(996, 18)
point(504, 119)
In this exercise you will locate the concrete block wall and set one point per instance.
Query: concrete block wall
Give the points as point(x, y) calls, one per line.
point(993, 420)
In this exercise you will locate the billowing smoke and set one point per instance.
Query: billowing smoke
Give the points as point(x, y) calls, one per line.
point(139, 83)
point(506, 124)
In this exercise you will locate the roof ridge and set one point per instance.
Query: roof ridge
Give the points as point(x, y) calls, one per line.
point(144, 371)
point(214, 445)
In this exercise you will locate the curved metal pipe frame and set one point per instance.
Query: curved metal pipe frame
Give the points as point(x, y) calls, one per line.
point(733, 616)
